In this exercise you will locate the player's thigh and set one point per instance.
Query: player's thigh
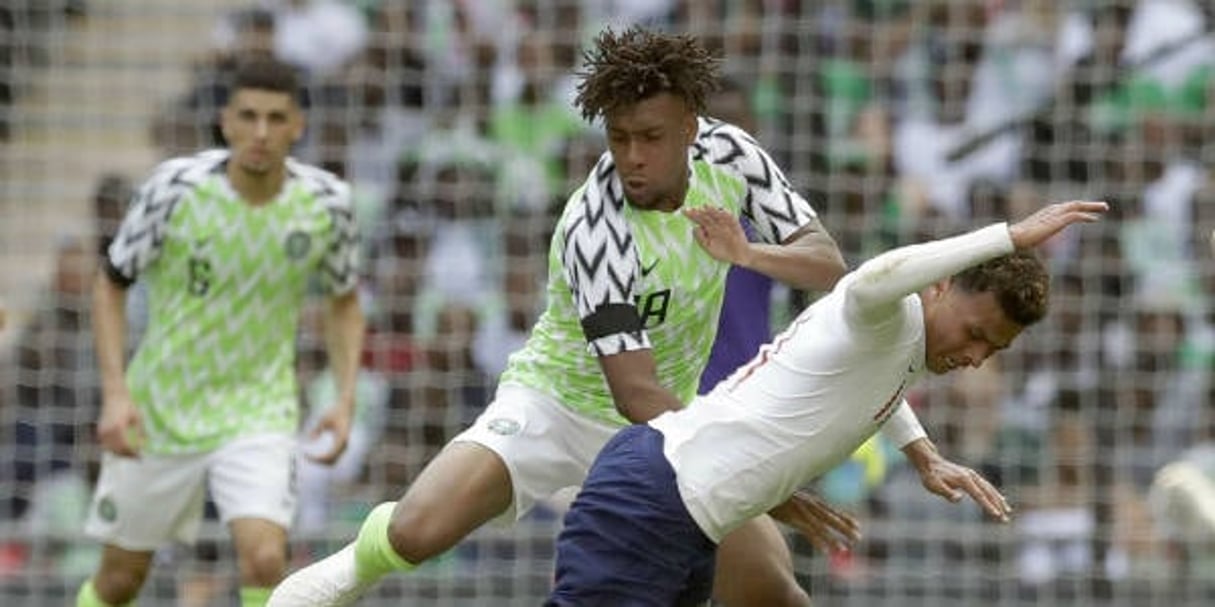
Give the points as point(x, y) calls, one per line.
point(543, 446)
point(141, 504)
point(254, 478)
point(755, 567)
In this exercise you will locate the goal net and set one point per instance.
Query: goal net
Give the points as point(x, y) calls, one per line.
point(453, 120)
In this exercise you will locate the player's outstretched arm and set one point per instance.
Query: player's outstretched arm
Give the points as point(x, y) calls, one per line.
point(878, 284)
point(1052, 219)
point(952, 481)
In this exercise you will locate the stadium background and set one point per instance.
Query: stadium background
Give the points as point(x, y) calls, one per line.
point(903, 121)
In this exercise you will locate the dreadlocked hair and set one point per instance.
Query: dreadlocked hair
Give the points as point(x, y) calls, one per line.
point(627, 67)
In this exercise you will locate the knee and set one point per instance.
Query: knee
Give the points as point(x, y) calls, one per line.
point(263, 566)
point(119, 586)
point(788, 596)
point(793, 596)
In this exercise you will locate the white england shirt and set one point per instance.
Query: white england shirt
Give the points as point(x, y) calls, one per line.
point(809, 398)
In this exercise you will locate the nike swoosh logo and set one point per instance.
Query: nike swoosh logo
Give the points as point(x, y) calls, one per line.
point(646, 271)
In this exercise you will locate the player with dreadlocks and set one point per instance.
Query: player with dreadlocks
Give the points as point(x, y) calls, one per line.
point(637, 270)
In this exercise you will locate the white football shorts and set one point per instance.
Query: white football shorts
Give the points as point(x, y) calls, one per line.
point(143, 504)
point(546, 447)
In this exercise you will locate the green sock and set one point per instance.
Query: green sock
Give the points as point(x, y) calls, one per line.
point(374, 556)
point(254, 596)
point(87, 597)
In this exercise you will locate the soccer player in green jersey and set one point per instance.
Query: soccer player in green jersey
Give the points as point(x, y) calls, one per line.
point(229, 243)
point(636, 275)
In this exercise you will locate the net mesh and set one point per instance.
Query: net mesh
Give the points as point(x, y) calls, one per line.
point(452, 119)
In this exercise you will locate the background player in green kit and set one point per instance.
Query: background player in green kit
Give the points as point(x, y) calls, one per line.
point(229, 243)
point(636, 275)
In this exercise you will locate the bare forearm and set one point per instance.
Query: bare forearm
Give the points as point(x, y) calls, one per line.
point(813, 264)
point(806, 259)
point(632, 378)
point(921, 453)
point(109, 334)
point(344, 329)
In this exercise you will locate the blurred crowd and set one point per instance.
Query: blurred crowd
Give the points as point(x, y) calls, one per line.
point(26, 34)
point(902, 121)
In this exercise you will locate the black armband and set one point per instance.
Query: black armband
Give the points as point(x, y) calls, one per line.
point(610, 319)
point(115, 275)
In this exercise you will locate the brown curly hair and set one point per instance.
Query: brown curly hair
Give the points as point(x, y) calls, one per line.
point(1019, 282)
point(627, 67)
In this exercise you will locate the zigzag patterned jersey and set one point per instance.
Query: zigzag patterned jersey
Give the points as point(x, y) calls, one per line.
point(607, 257)
point(226, 282)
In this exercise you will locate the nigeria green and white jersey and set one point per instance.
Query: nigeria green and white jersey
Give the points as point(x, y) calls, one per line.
point(226, 282)
point(622, 279)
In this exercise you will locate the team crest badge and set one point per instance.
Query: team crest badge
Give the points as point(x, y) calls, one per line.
point(503, 426)
point(297, 244)
point(107, 510)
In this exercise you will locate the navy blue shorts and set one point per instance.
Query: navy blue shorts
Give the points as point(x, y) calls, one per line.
point(628, 540)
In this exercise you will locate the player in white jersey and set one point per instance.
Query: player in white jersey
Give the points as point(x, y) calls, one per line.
point(661, 496)
point(229, 243)
point(637, 270)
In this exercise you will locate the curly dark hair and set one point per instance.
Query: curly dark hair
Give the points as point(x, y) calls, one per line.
point(627, 67)
point(1019, 281)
